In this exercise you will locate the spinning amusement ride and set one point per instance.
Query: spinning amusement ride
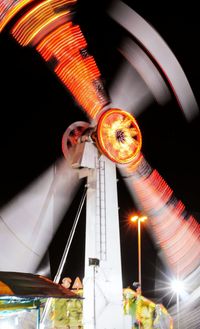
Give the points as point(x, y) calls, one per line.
point(111, 138)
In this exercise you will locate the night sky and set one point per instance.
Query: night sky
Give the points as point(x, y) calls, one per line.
point(36, 110)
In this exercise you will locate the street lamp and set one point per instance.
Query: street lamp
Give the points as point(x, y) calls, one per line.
point(139, 220)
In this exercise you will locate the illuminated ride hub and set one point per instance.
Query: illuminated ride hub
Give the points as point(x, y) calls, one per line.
point(116, 135)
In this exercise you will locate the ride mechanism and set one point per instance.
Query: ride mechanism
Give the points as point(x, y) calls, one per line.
point(112, 138)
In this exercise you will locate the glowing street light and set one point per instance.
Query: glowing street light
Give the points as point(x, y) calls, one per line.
point(177, 286)
point(139, 220)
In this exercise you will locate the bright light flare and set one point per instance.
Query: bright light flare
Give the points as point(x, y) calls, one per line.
point(136, 218)
point(177, 286)
point(143, 218)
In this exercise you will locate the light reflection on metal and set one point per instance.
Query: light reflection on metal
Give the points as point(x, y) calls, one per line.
point(118, 136)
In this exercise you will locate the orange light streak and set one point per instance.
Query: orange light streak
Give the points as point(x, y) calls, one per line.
point(179, 238)
point(43, 15)
point(78, 73)
point(62, 44)
point(9, 8)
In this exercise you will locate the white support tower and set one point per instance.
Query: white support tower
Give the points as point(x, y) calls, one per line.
point(103, 299)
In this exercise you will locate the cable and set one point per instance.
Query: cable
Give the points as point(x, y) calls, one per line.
point(66, 251)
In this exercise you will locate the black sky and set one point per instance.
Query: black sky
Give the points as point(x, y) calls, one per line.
point(36, 110)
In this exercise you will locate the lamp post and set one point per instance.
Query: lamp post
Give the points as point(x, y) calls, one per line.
point(139, 220)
